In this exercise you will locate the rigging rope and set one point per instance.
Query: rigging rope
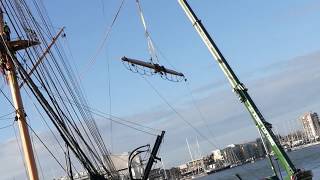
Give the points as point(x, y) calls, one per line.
point(7, 126)
point(5, 115)
point(110, 102)
point(179, 115)
point(113, 117)
point(46, 147)
point(200, 113)
point(36, 156)
point(93, 59)
point(7, 98)
point(35, 53)
point(47, 125)
point(20, 151)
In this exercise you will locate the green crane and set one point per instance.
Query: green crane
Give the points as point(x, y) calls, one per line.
point(263, 126)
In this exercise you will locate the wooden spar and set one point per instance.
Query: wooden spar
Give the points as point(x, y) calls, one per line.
point(6, 55)
point(43, 55)
point(156, 67)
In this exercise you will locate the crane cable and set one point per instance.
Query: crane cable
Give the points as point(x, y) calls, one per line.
point(151, 47)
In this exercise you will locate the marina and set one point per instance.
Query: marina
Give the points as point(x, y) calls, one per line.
point(259, 169)
point(105, 121)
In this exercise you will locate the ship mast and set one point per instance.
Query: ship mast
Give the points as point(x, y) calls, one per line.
point(7, 51)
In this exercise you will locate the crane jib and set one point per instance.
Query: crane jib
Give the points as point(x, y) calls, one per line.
point(263, 126)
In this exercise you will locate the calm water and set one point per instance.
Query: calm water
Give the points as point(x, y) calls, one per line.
point(307, 158)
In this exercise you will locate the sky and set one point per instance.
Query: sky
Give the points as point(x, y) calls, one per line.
point(272, 46)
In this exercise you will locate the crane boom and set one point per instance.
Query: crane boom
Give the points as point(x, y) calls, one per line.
point(263, 126)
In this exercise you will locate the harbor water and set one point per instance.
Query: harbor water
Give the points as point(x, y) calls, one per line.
point(307, 158)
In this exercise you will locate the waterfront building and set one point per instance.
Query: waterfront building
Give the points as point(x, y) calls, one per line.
point(248, 151)
point(217, 155)
point(159, 174)
point(208, 161)
point(232, 154)
point(162, 174)
point(174, 174)
point(311, 125)
point(192, 167)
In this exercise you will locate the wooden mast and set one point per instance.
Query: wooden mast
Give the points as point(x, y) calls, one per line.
point(5, 50)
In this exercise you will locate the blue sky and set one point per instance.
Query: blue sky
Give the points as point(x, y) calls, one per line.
point(273, 46)
point(250, 34)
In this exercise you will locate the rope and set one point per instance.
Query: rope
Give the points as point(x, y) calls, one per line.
point(55, 79)
point(102, 43)
point(125, 125)
point(37, 156)
point(5, 115)
point(7, 126)
point(109, 99)
point(45, 122)
point(55, 158)
point(200, 112)
point(179, 115)
point(152, 51)
point(7, 98)
point(19, 148)
point(113, 117)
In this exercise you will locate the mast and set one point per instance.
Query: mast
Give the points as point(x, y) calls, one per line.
point(262, 125)
point(198, 146)
point(7, 51)
point(189, 149)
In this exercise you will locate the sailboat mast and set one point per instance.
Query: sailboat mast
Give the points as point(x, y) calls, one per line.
point(189, 149)
point(10, 69)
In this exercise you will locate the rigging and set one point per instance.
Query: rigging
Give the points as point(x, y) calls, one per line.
point(153, 66)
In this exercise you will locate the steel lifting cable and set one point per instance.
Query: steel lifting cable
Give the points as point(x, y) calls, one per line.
point(151, 48)
point(153, 66)
point(152, 52)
